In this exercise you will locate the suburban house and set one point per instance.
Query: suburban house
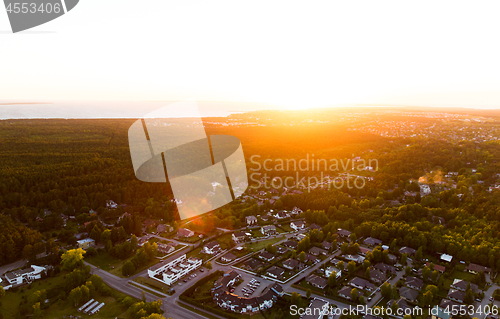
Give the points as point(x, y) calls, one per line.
point(475, 268)
point(291, 244)
point(281, 215)
point(461, 285)
point(361, 283)
point(252, 264)
point(400, 302)
point(275, 272)
point(326, 245)
point(314, 226)
point(85, 243)
point(227, 280)
point(266, 256)
point(251, 220)
point(456, 295)
point(331, 269)
point(228, 257)
point(165, 248)
point(408, 294)
point(281, 250)
point(407, 250)
point(363, 250)
point(343, 233)
point(317, 309)
point(162, 228)
point(356, 258)
point(184, 232)
point(298, 225)
point(385, 268)
point(439, 268)
point(240, 236)
point(345, 292)
point(372, 241)
point(291, 264)
point(446, 303)
point(377, 276)
point(211, 248)
point(447, 258)
point(414, 283)
point(311, 258)
point(317, 281)
point(268, 230)
point(296, 211)
point(266, 218)
point(170, 272)
point(17, 277)
point(315, 251)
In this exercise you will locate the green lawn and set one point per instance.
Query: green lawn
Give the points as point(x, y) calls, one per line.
point(60, 307)
point(113, 265)
point(286, 228)
point(153, 284)
point(256, 233)
point(256, 246)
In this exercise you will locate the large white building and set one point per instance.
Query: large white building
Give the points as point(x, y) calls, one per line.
point(17, 277)
point(174, 270)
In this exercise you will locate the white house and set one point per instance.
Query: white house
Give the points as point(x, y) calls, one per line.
point(297, 225)
point(211, 248)
point(331, 269)
point(17, 277)
point(268, 230)
point(251, 220)
point(85, 243)
point(174, 270)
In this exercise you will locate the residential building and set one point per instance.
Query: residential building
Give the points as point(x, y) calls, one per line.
point(170, 272)
point(18, 277)
point(317, 309)
point(266, 256)
point(369, 241)
point(331, 269)
point(408, 294)
point(251, 220)
point(456, 295)
point(184, 232)
point(361, 283)
point(275, 272)
point(241, 236)
point(385, 268)
point(414, 282)
point(345, 292)
point(298, 225)
point(326, 245)
point(165, 248)
point(211, 248)
point(291, 264)
point(461, 285)
point(439, 268)
point(268, 230)
point(343, 233)
point(315, 251)
point(228, 257)
point(407, 250)
point(475, 268)
point(85, 243)
point(377, 276)
point(291, 244)
point(317, 281)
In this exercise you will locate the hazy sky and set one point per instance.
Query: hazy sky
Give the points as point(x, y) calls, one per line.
point(286, 53)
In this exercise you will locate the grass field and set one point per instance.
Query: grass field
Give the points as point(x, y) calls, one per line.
point(60, 307)
point(113, 265)
point(153, 284)
point(256, 246)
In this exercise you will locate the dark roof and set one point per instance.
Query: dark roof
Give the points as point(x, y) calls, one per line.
point(407, 250)
point(212, 244)
point(385, 267)
point(266, 255)
point(276, 271)
point(229, 256)
point(317, 281)
point(253, 263)
point(343, 232)
point(414, 282)
point(240, 234)
point(408, 293)
point(372, 241)
point(357, 281)
point(316, 250)
point(377, 274)
point(326, 245)
point(291, 263)
point(346, 291)
point(478, 268)
point(291, 244)
point(456, 294)
point(462, 285)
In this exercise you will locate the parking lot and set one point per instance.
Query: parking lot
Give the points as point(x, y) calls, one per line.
point(252, 286)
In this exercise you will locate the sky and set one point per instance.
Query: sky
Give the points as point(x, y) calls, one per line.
point(287, 54)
